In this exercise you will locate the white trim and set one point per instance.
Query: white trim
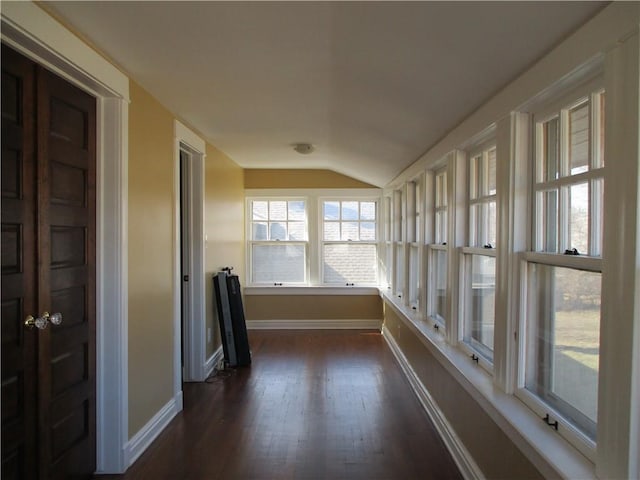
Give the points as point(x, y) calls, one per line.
point(303, 290)
point(195, 325)
point(154, 427)
point(266, 193)
point(579, 262)
point(32, 32)
point(465, 462)
point(212, 361)
point(333, 324)
point(35, 34)
point(542, 446)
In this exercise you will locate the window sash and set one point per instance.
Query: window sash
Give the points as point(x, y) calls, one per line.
point(479, 303)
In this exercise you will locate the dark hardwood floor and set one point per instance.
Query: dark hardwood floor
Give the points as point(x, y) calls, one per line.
point(313, 405)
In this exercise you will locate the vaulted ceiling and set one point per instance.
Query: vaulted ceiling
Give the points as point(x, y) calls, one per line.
point(372, 85)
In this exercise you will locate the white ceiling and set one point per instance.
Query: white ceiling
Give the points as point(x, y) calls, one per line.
point(372, 85)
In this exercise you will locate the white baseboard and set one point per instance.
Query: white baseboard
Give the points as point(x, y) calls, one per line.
point(460, 454)
point(139, 443)
point(348, 324)
point(212, 361)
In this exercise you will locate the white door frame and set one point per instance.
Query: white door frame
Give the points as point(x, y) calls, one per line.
point(32, 32)
point(194, 343)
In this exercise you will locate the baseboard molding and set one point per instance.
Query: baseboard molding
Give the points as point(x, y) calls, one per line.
point(460, 454)
point(139, 443)
point(348, 324)
point(213, 360)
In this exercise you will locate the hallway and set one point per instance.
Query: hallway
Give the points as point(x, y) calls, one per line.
point(313, 405)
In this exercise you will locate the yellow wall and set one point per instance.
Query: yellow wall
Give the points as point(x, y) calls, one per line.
point(283, 178)
point(313, 307)
point(151, 247)
point(224, 226)
point(496, 455)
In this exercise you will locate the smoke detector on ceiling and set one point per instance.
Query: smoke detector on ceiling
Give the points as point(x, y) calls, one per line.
point(303, 148)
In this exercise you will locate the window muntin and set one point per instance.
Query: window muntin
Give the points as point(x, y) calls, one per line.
point(562, 342)
point(349, 242)
point(278, 245)
point(569, 178)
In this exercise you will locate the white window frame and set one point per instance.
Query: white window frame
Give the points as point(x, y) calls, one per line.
point(415, 236)
point(251, 242)
point(476, 246)
point(441, 203)
point(313, 198)
point(376, 242)
point(591, 263)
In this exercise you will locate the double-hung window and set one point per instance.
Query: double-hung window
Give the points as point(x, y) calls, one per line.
point(437, 271)
point(349, 242)
point(479, 257)
point(414, 238)
point(563, 272)
point(278, 241)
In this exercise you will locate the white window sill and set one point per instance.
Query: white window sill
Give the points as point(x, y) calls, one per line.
point(310, 290)
point(545, 449)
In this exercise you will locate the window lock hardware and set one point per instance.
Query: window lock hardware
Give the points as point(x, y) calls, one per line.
point(474, 357)
point(277, 284)
point(571, 251)
point(436, 326)
point(413, 308)
point(488, 245)
point(444, 243)
point(350, 284)
point(548, 421)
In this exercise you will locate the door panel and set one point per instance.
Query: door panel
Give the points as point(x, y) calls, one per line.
point(66, 152)
point(48, 264)
point(18, 268)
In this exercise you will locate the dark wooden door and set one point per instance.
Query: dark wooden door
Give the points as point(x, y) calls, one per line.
point(61, 168)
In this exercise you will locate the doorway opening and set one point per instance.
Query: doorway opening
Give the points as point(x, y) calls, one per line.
point(189, 313)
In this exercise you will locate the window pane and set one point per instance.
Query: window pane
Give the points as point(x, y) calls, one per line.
point(399, 269)
point(349, 210)
point(481, 287)
point(491, 172)
point(297, 231)
point(600, 131)
point(331, 231)
point(579, 217)
point(350, 263)
point(475, 176)
point(367, 210)
point(349, 231)
point(278, 231)
point(278, 263)
point(367, 231)
point(563, 342)
point(332, 210)
point(278, 210)
point(491, 227)
point(259, 231)
point(259, 210)
point(414, 279)
point(549, 156)
point(579, 139)
point(441, 226)
point(547, 221)
point(441, 190)
point(296, 210)
point(440, 284)
point(475, 220)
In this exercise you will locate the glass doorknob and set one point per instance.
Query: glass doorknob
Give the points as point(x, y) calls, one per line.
point(54, 318)
point(38, 322)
